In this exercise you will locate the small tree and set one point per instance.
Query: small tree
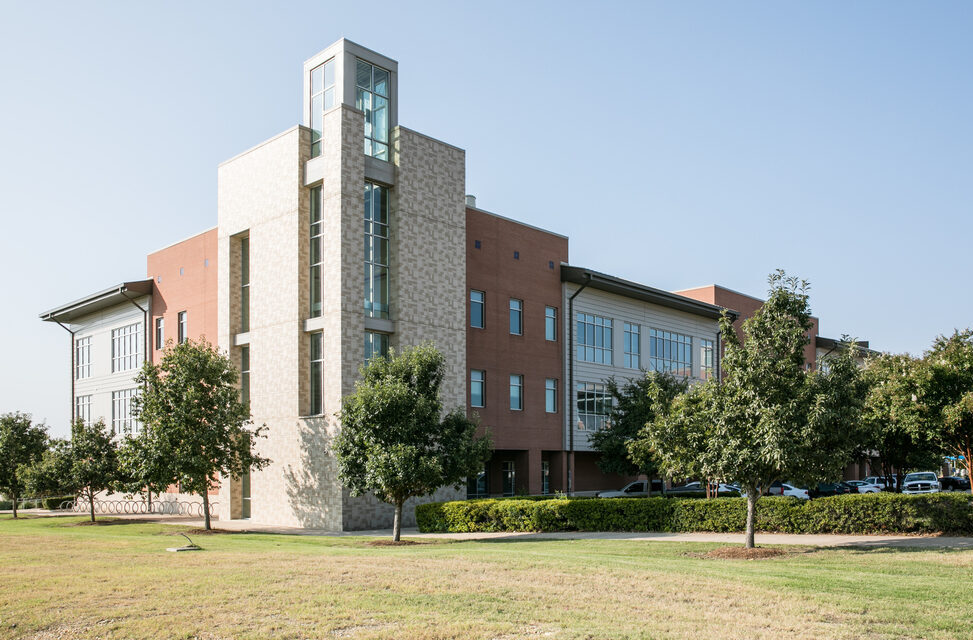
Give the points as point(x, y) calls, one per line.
point(50, 476)
point(21, 445)
point(949, 392)
point(142, 467)
point(195, 428)
point(394, 440)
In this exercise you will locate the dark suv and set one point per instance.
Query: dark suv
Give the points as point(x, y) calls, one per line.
point(954, 483)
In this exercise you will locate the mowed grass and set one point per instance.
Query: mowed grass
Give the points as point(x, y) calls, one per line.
point(62, 580)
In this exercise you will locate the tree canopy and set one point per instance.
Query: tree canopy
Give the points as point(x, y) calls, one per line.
point(21, 444)
point(949, 393)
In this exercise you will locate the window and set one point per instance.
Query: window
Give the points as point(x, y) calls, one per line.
point(373, 99)
point(315, 253)
point(245, 375)
point(594, 405)
point(376, 345)
point(122, 421)
point(126, 347)
point(670, 352)
point(550, 395)
point(183, 322)
point(82, 358)
point(322, 99)
point(516, 317)
point(706, 359)
point(476, 486)
point(545, 477)
point(160, 333)
point(550, 323)
point(316, 404)
point(244, 285)
point(594, 338)
point(633, 346)
point(477, 308)
point(509, 477)
point(82, 409)
point(477, 388)
point(376, 251)
point(516, 393)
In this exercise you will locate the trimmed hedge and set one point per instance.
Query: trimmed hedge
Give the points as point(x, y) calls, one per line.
point(6, 505)
point(848, 514)
point(55, 502)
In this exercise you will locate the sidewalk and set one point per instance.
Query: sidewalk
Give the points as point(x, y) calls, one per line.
point(812, 540)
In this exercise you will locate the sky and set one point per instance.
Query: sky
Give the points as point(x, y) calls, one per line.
point(677, 144)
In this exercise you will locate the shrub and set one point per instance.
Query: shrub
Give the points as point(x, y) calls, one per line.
point(55, 502)
point(849, 514)
point(6, 505)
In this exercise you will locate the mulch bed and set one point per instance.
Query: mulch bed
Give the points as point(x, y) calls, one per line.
point(742, 553)
point(392, 543)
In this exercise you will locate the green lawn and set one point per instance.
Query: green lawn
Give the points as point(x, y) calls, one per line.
point(62, 580)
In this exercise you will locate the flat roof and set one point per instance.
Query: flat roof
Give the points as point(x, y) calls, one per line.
point(97, 301)
point(629, 289)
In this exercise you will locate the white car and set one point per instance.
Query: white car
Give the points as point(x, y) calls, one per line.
point(921, 482)
point(880, 481)
point(786, 489)
point(866, 487)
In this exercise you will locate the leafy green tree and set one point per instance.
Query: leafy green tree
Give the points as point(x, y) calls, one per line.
point(49, 476)
point(194, 426)
point(394, 439)
point(21, 445)
point(634, 404)
point(949, 393)
point(142, 468)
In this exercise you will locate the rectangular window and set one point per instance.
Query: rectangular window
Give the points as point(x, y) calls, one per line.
point(594, 405)
point(516, 393)
point(477, 304)
point(707, 368)
point(244, 285)
point(545, 477)
point(126, 347)
point(316, 404)
point(633, 345)
point(376, 251)
point(315, 254)
point(477, 388)
point(376, 346)
point(183, 322)
point(516, 317)
point(82, 358)
point(322, 99)
point(550, 323)
point(373, 99)
point(160, 333)
point(82, 409)
point(245, 375)
point(670, 352)
point(509, 477)
point(550, 395)
point(122, 421)
point(476, 486)
point(594, 338)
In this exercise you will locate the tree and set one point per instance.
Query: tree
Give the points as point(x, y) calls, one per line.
point(395, 441)
point(949, 393)
point(633, 405)
point(49, 476)
point(195, 428)
point(142, 467)
point(21, 445)
point(895, 415)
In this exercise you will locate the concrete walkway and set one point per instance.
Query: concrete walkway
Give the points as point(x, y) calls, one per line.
point(813, 540)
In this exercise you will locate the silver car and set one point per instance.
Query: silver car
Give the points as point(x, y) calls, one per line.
point(921, 482)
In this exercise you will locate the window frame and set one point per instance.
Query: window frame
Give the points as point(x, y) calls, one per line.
point(482, 384)
point(315, 246)
point(182, 322)
point(126, 347)
point(516, 382)
point(520, 316)
point(482, 305)
point(82, 358)
point(315, 396)
point(377, 237)
point(676, 345)
point(122, 421)
point(589, 324)
point(317, 112)
point(550, 387)
point(631, 337)
point(160, 332)
point(550, 324)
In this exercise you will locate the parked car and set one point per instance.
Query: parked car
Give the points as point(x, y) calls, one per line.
point(636, 488)
point(881, 480)
point(847, 487)
point(824, 489)
point(866, 487)
point(699, 487)
point(788, 489)
point(921, 482)
point(954, 483)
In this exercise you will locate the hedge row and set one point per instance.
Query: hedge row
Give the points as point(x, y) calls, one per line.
point(848, 514)
point(45, 503)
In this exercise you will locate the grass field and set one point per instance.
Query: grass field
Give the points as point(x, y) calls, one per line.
point(60, 579)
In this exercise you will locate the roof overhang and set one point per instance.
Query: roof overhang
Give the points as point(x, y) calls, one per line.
point(618, 286)
point(820, 342)
point(126, 291)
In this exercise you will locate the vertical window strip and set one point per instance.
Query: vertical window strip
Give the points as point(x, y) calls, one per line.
point(550, 323)
point(372, 98)
point(316, 401)
point(477, 388)
point(706, 359)
point(160, 332)
point(376, 345)
point(316, 259)
point(516, 317)
point(550, 395)
point(245, 375)
point(183, 322)
point(245, 284)
point(633, 345)
point(670, 352)
point(322, 99)
point(82, 358)
point(82, 409)
point(477, 309)
point(594, 340)
point(377, 291)
point(126, 347)
point(516, 392)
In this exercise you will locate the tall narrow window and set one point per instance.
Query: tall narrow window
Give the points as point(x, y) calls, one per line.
point(545, 477)
point(550, 395)
point(706, 359)
point(477, 388)
point(550, 323)
point(516, 317)
point(509, 471)
point(376, 345)
point(244, 285)
point(476, 486)
point(122, 421)
point(160, 333)
point(594, 338)
point(322, 99)
point(183, 322)
point(316, 404)
point(516, 393)
point(670, 352)
point(633, 345)
point(82, 358)
point(126, 347)
point(373, 99)
point(245, 375)
point(594, 405)
point(82, 409)
point(376, 251)
point(477, 303)
point(315, 253)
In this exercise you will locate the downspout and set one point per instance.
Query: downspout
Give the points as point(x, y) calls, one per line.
point(571, 390)
point(72, 368)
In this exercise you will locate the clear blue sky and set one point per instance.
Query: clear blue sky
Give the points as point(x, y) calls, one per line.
point(677, 144)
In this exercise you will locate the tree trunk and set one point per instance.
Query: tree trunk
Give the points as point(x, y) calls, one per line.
point(648, 485)
point(397, 523)
point(751, 515)
point(91, 503)
point(148, 494)
point(206, 508)
point(13, 497)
